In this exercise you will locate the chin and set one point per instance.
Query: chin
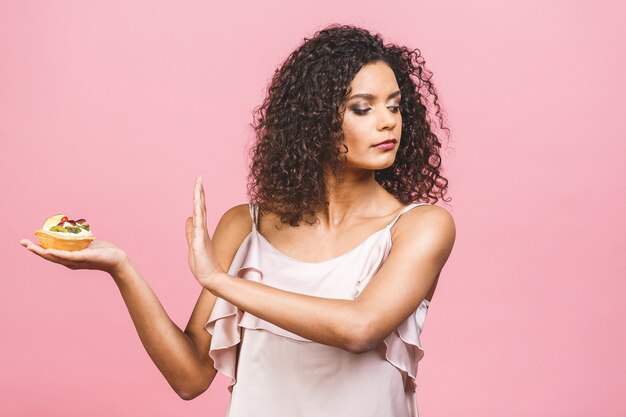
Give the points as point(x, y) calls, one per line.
point(373, 164)
point(371, 167)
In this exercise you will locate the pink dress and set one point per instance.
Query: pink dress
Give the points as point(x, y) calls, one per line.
point(276, 373)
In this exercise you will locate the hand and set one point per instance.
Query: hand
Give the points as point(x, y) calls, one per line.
point(201, 257)
point(99, 255)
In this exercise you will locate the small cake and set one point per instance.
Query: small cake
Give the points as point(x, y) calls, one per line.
point(61, 232)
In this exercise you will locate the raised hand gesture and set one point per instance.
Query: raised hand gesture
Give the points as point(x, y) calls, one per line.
point(201, 257)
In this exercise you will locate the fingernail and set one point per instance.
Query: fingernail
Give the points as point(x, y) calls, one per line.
point(200, 179)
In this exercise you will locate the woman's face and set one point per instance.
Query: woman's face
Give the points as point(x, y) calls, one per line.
point(372, 115)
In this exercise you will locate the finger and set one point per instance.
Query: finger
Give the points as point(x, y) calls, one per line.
point(203, 203)
point(197, 235)
point(36, 249)
point(45, 254)
point(72, 256)
point(196, 202)
point(189, 230)
point(198, 224)
point(189, 236)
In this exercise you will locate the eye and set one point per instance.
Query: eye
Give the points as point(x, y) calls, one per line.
point(360, 112)
point(395, 109)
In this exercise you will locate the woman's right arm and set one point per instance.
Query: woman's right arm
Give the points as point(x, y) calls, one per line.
point(181, 356)
point(187, 369)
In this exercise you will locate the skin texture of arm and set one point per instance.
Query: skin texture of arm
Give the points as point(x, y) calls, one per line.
point(182, 357)
point(173, 352)
point(229, 233)
point(422, 242)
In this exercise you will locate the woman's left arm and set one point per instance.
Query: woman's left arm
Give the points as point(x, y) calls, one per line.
point(421, 247)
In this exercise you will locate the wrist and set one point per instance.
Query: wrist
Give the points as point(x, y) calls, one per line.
point(217, 283)
point(121, 270)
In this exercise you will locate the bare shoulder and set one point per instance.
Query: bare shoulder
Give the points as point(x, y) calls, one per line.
point(232, 228)
point(236, 218)
point(428, 225)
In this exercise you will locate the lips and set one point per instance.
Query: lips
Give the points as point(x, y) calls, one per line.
point(386, 141)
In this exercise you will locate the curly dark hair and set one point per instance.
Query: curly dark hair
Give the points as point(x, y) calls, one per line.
point(298, 127)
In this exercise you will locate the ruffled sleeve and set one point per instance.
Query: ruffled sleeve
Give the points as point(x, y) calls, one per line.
point(225, 317)
point(403, 347)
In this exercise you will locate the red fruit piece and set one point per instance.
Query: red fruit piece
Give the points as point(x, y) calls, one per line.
point(72, 222)
point(63, 220)
point(81, 221)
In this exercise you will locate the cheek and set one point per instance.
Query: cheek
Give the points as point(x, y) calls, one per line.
point(356, 131)
point(348, 132)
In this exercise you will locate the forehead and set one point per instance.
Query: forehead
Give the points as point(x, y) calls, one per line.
point(374, 77)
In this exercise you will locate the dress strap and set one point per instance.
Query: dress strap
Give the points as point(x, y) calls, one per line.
point(404, 210)
point(254, 214)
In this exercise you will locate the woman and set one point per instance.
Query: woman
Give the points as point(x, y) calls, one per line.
point(305, 305)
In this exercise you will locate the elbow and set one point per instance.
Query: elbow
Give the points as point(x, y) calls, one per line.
point(362, 339)
point(188, 395)
point(191, 391)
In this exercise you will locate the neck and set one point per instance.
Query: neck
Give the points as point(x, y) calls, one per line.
point(354, 195)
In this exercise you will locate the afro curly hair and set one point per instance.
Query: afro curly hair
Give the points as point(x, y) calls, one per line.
point(298, 127)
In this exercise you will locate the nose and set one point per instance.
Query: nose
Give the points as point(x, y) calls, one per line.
point(386, 119)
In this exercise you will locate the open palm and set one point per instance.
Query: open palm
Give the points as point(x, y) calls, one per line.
point(100, 255)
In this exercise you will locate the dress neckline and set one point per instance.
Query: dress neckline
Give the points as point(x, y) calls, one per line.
point(345, 254)
point(320, 262)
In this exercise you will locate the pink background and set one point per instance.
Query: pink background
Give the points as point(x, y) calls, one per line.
point(109, 110)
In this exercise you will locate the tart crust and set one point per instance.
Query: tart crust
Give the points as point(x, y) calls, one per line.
point(69, 243)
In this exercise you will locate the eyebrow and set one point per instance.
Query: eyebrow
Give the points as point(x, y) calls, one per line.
point(372, 96)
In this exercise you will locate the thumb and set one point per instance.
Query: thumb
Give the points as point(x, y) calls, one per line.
point(189, 230)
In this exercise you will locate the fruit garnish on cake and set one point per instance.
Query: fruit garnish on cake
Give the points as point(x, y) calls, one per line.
point(62, 232)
